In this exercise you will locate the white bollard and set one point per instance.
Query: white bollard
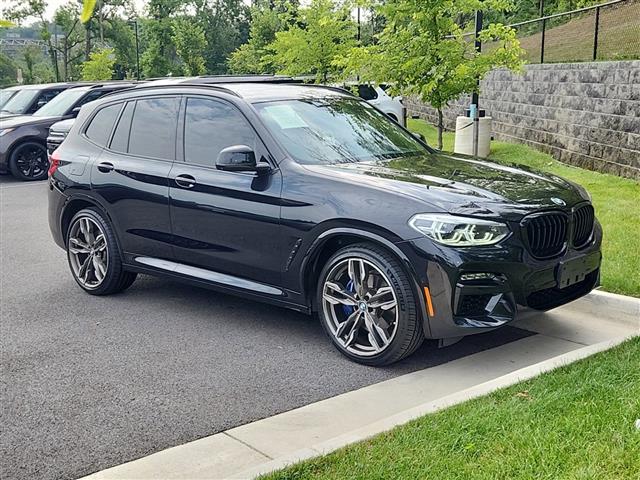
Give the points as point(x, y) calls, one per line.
point(464, 136)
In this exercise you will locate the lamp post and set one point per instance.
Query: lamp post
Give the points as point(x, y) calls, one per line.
point(475, 107)
point(135, 29)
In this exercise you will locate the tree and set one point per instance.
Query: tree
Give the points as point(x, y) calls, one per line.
point(226, 26)
point(8, 71)
point(324, 34)
point(99, 66)
point(190, 44)
point(67, 17)
point(159, 58)
point(422, 51)
point(20, 10)
point(267, 18)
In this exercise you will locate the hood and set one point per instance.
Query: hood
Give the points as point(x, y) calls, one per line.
point(466, 185)
point(24, 120)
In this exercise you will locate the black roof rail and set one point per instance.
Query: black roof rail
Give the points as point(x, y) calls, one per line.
point(209, 79)
point(150, 86)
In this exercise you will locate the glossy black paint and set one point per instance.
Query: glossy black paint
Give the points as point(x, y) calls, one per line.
point(264, 235)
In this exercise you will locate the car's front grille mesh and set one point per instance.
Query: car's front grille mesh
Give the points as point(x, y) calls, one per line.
point(583, 219)
point(546, 234)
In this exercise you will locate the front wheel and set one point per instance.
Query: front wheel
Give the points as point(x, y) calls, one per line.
point(94, 256)
point(29, 162)
point(367, 306)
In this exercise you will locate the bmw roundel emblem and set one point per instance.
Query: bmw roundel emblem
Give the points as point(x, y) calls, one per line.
point(558, 201)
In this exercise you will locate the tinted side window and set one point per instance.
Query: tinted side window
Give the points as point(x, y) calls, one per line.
point(43, 99)
point(120, 140)
point(100, 127)
point(153, 129)
point(367, 92)
point(90, 97)
point(210, 126)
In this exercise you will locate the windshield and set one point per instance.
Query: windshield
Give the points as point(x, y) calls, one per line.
point(21, 101)
point(5, 96)
point(336, 130)
point(61, 104)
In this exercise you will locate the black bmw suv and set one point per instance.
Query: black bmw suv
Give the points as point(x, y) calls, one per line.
point(309, 198)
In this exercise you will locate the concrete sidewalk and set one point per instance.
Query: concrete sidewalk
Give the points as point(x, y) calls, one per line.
point(594, 323)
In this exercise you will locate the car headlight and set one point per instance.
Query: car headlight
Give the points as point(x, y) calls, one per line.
point(4, 131)
point(459, 231)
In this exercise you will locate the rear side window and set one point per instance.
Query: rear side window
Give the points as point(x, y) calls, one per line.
point(210, 126)
point(153, 128)
point(120, 140)
point(100, 127)
point(367, 92)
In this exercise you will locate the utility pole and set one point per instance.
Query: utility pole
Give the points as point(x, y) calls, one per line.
point(135, 26)
point(475, 101)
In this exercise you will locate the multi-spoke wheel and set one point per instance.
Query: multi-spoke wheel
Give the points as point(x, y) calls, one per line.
point(367, 306)
point(29, 161)
point(94, 257)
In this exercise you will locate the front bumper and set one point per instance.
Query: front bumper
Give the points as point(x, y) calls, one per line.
point(474, 290)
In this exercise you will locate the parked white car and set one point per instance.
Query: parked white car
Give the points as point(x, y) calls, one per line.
point(377, 95)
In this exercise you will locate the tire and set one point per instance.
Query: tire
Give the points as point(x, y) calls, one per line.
point(384, 303)
point(29, 162)
point(93, 254)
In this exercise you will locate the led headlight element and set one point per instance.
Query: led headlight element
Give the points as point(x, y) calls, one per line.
point(459, 231)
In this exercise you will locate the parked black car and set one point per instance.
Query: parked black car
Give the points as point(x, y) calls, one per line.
point(29, 98)
point(23, 138)
point(310, 198)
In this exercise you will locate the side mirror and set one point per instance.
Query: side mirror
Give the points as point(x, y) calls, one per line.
point(41, 103)
point(240, 158)
point(75, 111)
point(419, 136)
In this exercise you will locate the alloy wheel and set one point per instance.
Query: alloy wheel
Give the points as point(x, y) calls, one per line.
point(88, 253)
point(360, 306)
point(31, 161)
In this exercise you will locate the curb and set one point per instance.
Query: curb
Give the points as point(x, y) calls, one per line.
point(430, 407)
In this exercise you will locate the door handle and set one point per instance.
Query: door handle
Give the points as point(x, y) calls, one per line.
point(105, 167)
point(185, 181)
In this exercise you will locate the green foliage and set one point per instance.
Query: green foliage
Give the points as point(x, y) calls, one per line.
point(422, 51)
point(267, 18)
point(99, 66)
point(190, 43)
point(159, 58)
point(323, 34)
point(8, 71)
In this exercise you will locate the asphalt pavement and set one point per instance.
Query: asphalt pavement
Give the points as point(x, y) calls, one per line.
point(91, 382)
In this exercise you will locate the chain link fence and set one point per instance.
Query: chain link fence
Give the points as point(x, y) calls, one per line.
point(609, 31)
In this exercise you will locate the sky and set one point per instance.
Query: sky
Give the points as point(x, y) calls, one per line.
point(52, 5)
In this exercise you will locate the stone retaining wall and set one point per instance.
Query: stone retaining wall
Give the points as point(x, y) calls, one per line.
point(585, 114)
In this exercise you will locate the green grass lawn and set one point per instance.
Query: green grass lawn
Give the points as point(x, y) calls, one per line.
point(616, 200)
point(576, 422)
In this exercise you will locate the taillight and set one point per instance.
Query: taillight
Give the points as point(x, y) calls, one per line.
point(54, 160)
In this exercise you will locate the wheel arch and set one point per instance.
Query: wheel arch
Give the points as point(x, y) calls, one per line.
point(330, 241)
point(72, 206)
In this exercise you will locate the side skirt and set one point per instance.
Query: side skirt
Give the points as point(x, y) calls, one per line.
point(221, 282)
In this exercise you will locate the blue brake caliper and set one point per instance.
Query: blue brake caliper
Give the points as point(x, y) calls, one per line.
point(349, 309)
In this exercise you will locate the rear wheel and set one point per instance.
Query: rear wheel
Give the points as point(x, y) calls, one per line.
point(94, 256)
point(29, 162)
point(367, 306)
